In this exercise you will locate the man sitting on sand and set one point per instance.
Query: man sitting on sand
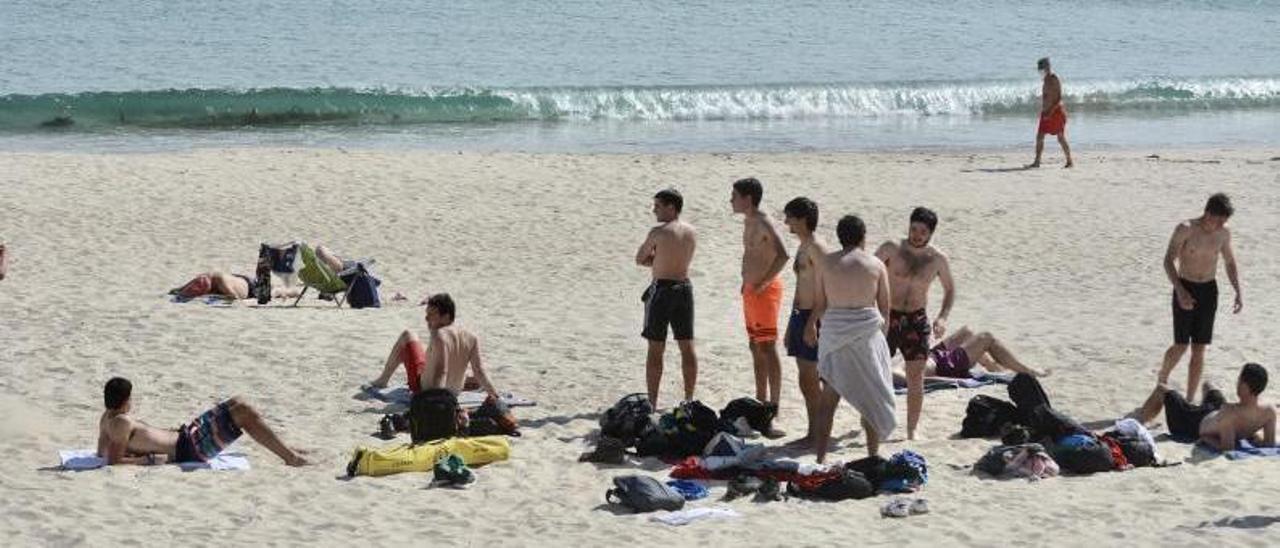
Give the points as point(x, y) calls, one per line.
point(452, 350)
point(955, 356)
point(852, 301)
point(125, 440)
point(1215, 422)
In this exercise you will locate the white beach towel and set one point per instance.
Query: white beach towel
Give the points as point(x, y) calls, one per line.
point(401, 394)
point(88, 459)
point(853, 357)
point(685, 517)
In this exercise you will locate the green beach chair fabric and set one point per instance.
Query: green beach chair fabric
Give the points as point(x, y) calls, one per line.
point(316, 274)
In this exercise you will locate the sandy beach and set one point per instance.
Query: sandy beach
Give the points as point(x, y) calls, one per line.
point(537, 251)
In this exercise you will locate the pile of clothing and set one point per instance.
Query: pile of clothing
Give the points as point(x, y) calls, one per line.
point(686, 430)
point(1038, 441)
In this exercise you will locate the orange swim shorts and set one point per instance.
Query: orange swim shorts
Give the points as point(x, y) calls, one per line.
point(761, 311)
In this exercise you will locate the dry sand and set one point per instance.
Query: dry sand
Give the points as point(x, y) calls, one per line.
point(537, 251)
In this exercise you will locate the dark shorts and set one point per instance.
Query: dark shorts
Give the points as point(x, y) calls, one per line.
point(206, 436)
point(953, 363)
point(668, 302)
point(1195, 326)
point(1183, 419)
point(252, 284)
point(795, 337)
point(909, 332)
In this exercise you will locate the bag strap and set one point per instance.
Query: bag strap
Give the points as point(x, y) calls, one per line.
point(608, 496)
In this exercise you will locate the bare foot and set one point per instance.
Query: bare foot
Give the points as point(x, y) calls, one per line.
point(1033, 165)
point(298, 460)
point(1069, 165)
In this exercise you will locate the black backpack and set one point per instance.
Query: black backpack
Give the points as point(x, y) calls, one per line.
point(433, 415)
point(849, 485)
point(1136, 450)
point(1090, 458)
point(689, 427)
point(985, 416)
point(627, 418)
point(362, 288)
point(643, 494)
point(759, 415)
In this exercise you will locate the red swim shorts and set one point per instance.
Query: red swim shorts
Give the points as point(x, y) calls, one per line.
point(1054, 123)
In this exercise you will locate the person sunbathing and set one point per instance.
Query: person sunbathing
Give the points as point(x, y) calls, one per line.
point(123, 439)
point(955, 356)
point(453, 351)
point(229, 286)
point(1216, 422)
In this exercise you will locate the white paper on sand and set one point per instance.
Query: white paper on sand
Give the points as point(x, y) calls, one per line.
point(88, 459)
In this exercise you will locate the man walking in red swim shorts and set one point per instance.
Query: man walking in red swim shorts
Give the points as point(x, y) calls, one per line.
point(1053, 116)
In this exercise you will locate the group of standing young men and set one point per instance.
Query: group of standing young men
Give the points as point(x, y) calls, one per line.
point(890, 288)
point(848, 278)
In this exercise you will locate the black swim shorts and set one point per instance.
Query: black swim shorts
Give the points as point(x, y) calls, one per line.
point(668, 302)
point(1195, 326)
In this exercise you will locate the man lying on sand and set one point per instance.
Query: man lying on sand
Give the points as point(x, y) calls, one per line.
point(125, 440)
point(452, 350)
point(1216, 422)
point(955, 356)
point(230, 286)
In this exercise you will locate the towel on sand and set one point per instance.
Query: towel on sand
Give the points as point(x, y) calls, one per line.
point(933, 385)
point(470, 399)
point(88, 459)
point(853, 358)
point(1243, 450)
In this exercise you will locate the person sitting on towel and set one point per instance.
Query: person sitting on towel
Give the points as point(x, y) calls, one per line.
point(123, 439)
point(1215, 422)
point(453, 349)
point(955, 356)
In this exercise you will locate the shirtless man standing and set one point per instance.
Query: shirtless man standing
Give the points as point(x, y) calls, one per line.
point(1216, 422)
point(1191, 263)
point(802, 219)
point(913, 265)
point(763, 258)
point(1053, 116)
point(852, 288)
point(667, 251)
point(123, 439)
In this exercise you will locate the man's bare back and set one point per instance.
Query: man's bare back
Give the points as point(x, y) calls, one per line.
point(851, 279)
point(117, 430)
point(911, 272)
point(761, 248)
point(1198, 249)
point(807, 257)
point(1237, 421)
point(453, 350)
point(668, 250)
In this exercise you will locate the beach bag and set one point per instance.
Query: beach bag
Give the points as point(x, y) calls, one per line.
point(1136, 449)
point(848, 485)
point(1082, 454)
point(997, 459)
point(652, 441)
point(627, 418)
point(985, 415)
point(758, 415)
point(362, 288)
point(871, 468)
point(906, 472)
point(643, 494)
point(689, 428)
point(433, 414)
point(493, 416)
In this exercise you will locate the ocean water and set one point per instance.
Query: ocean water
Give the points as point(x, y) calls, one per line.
point(632, 76)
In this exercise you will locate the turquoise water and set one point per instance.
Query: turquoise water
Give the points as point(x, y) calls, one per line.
point(631, 76)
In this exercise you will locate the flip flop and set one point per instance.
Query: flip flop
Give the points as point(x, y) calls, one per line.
point(897, 507)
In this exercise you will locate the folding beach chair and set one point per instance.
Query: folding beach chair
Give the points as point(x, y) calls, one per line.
point(315, 274)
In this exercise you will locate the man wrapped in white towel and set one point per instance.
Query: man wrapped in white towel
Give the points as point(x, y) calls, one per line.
point(853, 356)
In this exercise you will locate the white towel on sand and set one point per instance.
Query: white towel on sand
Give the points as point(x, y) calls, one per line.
point(88, 459)
point(853, 357)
